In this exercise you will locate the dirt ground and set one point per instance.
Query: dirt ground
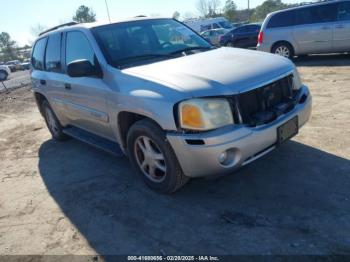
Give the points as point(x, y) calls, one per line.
point(69, 198)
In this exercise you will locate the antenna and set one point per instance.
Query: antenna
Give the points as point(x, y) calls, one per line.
point(109, 18)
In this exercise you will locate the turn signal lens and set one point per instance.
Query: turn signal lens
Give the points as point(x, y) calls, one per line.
point(192, 117)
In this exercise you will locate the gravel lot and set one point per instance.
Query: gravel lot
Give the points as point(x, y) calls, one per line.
point(69, 198)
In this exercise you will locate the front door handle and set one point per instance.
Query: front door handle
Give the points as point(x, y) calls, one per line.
point(67, 86)
point(326, 28)
point(339, 26)
point(43, 82)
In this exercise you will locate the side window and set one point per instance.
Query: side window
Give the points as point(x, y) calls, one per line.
point(216, 26)
point(53, 53)
point(283, 19)
point(244, 29)
point(237, 30)
point(317, 14)
point(38, 54)
point(253, 28)
point(78, 47)
point(205, 27)
point(344, 11)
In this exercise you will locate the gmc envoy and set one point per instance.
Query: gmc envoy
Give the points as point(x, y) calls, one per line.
point(153, 89)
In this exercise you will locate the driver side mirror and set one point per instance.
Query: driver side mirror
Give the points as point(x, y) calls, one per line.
point(81, 68)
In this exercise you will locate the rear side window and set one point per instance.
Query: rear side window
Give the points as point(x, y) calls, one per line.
point(344, 11)
point(239, 30)
point(283, 19)
point(253, 28)
point(316, 14)
point(38, 54)
point(78, 47)
point(53, 53)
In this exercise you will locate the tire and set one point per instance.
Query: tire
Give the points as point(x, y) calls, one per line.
point(283, 49)
point(167, 176)
point(3, 75)
point(52, 122)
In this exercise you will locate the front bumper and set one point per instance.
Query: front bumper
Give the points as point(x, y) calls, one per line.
point(198, 154)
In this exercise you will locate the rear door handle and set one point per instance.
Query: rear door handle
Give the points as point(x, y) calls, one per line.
point(67, 86)
point(43, 82)
point(326, 28)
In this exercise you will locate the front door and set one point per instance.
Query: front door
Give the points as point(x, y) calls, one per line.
point(85, 98)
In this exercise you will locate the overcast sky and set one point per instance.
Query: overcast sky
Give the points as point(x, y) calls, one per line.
point(18, 16)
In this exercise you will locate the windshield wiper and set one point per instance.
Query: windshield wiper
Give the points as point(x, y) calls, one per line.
point(191, 49)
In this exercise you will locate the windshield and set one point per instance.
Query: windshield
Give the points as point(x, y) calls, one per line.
point(226, 25)
point(139, 42)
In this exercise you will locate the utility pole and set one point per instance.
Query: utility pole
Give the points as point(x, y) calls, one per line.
point(249, 11)
point(109, 18)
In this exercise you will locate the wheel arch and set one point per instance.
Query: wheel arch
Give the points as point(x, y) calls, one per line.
point(125, 119)
point(283, 41)
point(39, 98)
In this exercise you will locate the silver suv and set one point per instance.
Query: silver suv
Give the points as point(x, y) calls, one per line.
point(155, 90)
point(310, 29)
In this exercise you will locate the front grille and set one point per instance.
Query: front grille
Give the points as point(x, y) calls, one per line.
point(263, 105)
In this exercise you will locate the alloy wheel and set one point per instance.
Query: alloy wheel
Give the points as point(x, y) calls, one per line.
point(150, 159)
point(282, 51)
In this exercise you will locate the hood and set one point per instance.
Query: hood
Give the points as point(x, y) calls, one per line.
point(222, 71)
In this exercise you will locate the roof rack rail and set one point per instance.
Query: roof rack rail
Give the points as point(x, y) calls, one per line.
point(59, 26)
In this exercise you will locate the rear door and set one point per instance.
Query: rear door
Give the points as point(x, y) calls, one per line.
point(341, 42)
point(313, 31)
point(85, 98)
point(38, 75)
point(240, 36)
point(53, 77)
point(253, 31)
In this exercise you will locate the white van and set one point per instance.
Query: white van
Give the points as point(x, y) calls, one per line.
point(201, 25)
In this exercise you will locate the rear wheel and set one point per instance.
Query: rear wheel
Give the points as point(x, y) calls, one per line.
point(52, 122)
point(3, 75)
point(283, 49)
point(153, 157)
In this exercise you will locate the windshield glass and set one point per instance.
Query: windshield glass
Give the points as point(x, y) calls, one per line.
point(226, 25)
point(144, 41)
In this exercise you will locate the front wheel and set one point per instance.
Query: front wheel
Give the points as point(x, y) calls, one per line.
point(153, 157)
point(283, 49)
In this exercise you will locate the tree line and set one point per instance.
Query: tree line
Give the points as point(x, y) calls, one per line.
point(229, 10)
point(9, 49)
point(206, 8)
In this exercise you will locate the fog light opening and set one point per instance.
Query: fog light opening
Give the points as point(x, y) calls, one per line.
point(227, 158)
point(223, 157)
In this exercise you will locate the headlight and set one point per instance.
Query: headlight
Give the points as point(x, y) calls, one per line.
point(205, 114)
point(296, 80)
